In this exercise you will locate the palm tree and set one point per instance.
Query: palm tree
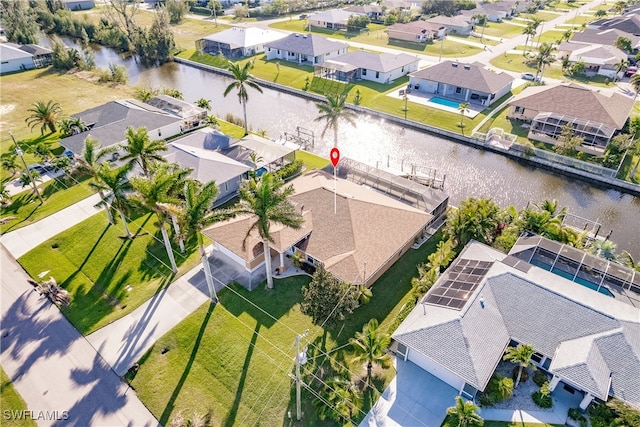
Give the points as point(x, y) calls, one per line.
point(544, 58)
point(157, 193)
point(267, 198)
point(635, 83)
point(332, 112)
point(89, 163)
point(566, 36)
point(520, 355)
point(116, 183)
point(145, 93)
point(481, 18)
point(29, 177)
point(530, 31)
point(370, 346)
point(9, 161)
point(242, 80)
point(627, 259)
point(621, 67)
point(551, 206)
point(45, 115)
point(463, 108)
point(212, 121)
point(600, 13)
point(197, 213)
point(464, 414)
point(204, 103)
point(619, 7)
point(141, 150)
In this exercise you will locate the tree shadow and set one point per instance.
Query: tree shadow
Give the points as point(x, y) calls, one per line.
point(164, 418)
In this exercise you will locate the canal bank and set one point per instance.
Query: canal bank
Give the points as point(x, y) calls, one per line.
point(523, 156)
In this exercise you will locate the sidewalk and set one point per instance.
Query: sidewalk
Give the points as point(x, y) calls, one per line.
point(21, 241)
point(54, 368)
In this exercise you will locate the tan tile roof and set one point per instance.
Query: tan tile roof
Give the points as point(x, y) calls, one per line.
point(573, 100)
point(471, 76)
point(367, 229)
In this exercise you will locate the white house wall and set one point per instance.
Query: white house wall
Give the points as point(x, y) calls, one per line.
point(231, 255)
point(16, 65)
point(391, 75)
point(435, 369)
point(426, 86)
point(165, 132)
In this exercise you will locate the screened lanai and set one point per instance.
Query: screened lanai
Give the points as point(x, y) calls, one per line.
point(594, 133)
point(336, 70)
point(599, 274)
point(420, 196)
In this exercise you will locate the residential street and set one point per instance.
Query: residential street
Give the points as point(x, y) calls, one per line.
point(55, 368)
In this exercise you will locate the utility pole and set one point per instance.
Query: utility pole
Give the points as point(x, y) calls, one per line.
point(300, 359)
point(441, 43)
point(26, 168)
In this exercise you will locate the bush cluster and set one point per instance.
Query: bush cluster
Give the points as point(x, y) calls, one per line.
point(540, 377)
point(541, 400)
point(290, 170)
point(499, 388)
point(575, 414)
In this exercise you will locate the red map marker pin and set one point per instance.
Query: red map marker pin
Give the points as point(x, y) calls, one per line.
point(335, 156)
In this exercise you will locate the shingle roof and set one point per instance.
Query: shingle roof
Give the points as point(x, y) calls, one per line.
point(175, 106)
point(237, 37)
point(207, 165)
point(605, 37)
point(383, 62)
point(451, 21)
point(354, 242)
point(589, 336)
point(367, 8)
point(35, 49)
point(307, 44)
point(593, 54)
point(417, 27)
point(470, 76)
point(110, 122)
point(574, 100)
point(627, 23)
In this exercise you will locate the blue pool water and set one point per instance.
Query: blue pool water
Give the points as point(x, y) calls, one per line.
point(445, 102)
point(578, 280)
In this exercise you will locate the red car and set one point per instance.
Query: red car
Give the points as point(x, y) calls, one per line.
point(631, 71)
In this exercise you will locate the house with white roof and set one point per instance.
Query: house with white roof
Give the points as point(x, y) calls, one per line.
point(487, 301)
point(12, 58)
point(364, 65)
point(417, 31)
point(305, 49)
point(598, 59)
point(459, 24)
point(462, 82)
point(334, 19)
point(237, 42)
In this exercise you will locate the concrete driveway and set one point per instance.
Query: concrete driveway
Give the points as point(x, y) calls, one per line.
point(414, 398)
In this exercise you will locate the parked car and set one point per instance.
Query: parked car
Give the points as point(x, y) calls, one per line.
point(527, 76)
point(631, 71)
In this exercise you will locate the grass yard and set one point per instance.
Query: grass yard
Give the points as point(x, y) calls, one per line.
point(489, 423)
point(504, 29)
point(21, 90)
point(10, 400)
point(107, 276)
point(310, 160)
point(26, 208)
point(232, 361)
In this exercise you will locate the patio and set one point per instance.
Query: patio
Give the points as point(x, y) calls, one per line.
point(422, 98)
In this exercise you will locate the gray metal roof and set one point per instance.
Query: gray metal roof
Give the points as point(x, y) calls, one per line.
point(469, 76)
point(307, 44)
point(207, 165)
point(35, 49)
point(10, 52)
point(383, 62)
point(109, 122)
point(265, 148)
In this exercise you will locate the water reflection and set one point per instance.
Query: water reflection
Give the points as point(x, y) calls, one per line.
point(470, 172)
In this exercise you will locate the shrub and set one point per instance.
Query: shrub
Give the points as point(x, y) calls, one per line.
point(499, 388)
point(234, 120)
point(541, 400)
point(290, 170)
point(539, 377)
point(575, 414)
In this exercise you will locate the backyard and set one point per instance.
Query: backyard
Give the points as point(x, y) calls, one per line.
point(232, 361)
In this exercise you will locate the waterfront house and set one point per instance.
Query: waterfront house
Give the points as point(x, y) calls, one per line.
point(486, 301)
point(354, 243)
point(461, 82)
point(334, 19)
point(628, 23)
point(109, 122)
point(594, 116)
point(42, 57)
point(459, 24)
point(598, 59)
point(307, 49)
point(417, 31)
point(237, 42)
point(12, 58)
point(364, 65)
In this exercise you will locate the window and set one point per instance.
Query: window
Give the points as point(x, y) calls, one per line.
point(458, 90)
point(520, 110)
point(364, 71)
point(536, 357)
point(469, 391)
point(547, 363)
point(402, 349)
point(377, 74)
point(310, 260)
point(402, 71)
point(226, 187)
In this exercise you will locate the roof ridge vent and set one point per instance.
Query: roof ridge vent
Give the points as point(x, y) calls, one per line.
point(454, 65)
point(467, 67)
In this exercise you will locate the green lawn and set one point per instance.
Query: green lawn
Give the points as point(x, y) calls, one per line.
point(488, 423)
point(310, 160)
point(108, 276)
point(504, 29)
point(26, 208)
point(10, 400)
point(231, 362)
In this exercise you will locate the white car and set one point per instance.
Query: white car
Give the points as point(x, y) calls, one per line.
point(527, 76)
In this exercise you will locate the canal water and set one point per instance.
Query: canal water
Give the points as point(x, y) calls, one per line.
point(469, 171)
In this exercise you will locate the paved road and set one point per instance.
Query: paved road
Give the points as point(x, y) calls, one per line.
point(55, 368)
point(22, 240)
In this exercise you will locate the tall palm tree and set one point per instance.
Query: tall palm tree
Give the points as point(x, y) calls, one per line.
point(89, 162)
point(197, 213)
point(544, 58)
point(464, 413)
point(551, 206)
point(530, 31)
point(522, 356)
point(266, 197)
point(332, 112)
point(370, 346)
point(242, 80)
point(480, 18)
point(635, 83)
point(463, 108)
point(621, 67)
point(157, 193)
point(45, 115)
point(141, 150)
point(117, 187)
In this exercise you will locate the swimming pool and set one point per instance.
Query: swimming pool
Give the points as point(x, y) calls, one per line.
point(445, 102)
point(575, 279)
